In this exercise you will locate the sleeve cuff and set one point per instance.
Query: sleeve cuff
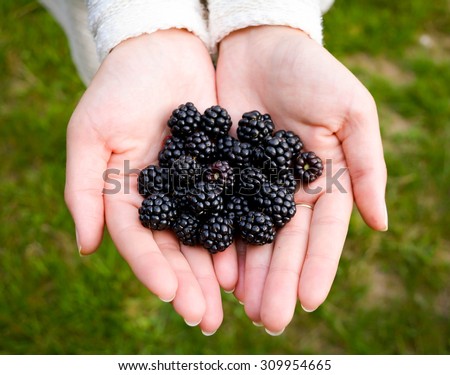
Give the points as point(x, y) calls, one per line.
point(226, 16)
point(112, 22)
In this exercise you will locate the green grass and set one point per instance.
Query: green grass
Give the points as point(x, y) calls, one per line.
point(392, 291)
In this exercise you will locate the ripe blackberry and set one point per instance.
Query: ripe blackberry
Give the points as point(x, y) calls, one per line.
point(216, 121)
point(237, 207)
point(205, 198)
point(186, 171)
point(286, 179)
point(153, 179)
point(216, 234)
point(308, 167)
point(250, 181)
point(185, 120)
point(276, 202)
point(157, 212)
point(172, 150)
point(254, 127)
point(186, 228)
point(200, 146)
point(220, 173)
point(237, 153)
point(257, 228)
point(292, 139)
point(273, 156)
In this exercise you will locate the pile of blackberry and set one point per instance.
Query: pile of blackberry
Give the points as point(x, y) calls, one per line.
point(210, 187)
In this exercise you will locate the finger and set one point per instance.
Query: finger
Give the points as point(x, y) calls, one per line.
point(281, 287)
point(239, 291)
point(189, 301)
point(202, 267)
point(226, 268)
point(329, 225)
point(138, 247)
point(86, 163)
point(257, 261)
point(363, 150)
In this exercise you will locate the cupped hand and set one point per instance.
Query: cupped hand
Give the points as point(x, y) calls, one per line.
point(117, 129)
point(281, 71)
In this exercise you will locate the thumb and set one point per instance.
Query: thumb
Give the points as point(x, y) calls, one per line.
point(87, 158)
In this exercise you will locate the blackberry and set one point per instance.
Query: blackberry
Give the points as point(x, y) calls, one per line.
point(285, 179)
point(157, 212)
point(293, 140)
point(216, 234)
point(216, 121)
point(276, 202)
point(186, 228)
point(172, 150)
point(221, 173)
point(237, 207)
point(308, 167)
point(185, 172)
point(273, 156)
point(185, 120)
point(250, 181)
point(205, 198)
point(200, 146)
point(153, 179)
point(237, 153)
point(254, 127)
point(257, 228)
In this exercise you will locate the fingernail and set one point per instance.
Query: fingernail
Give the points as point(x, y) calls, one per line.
point(229, 291)
point(274, 333)
point(209, 333)
point(386, 220)
point(80, 250)
point(307, 310)
point(167, 300)
point(242, 303)
point(192, 324)
point(256, 324)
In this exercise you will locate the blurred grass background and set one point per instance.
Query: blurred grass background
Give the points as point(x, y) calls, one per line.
point(392, 290)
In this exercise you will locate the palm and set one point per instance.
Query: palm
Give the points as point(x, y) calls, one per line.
point(309, 92)
point(119, 127)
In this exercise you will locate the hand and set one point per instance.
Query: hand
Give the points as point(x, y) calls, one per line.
point(122, 118)
point(281, 71)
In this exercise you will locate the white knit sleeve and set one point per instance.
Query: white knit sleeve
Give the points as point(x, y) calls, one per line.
point(226, 16)
point(112, 21)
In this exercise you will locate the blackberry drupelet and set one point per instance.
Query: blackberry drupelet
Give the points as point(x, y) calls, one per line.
point(236, 207)
point(216, 234)
point(216, 122)
point(185, 120)
point(308, 167)
point(186, 228)
point(205, 198)
point(254, 127)
point(257, 228)
point(158, 212)
point(186, 171)
point(172, 150)
point(220, 173)
point(285, 178)
point(153, 179)
point(200, 146)
point(277, 203)
point(293, 140)
point(250, 181)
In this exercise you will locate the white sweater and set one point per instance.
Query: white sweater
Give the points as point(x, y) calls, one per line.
point(100, 25)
